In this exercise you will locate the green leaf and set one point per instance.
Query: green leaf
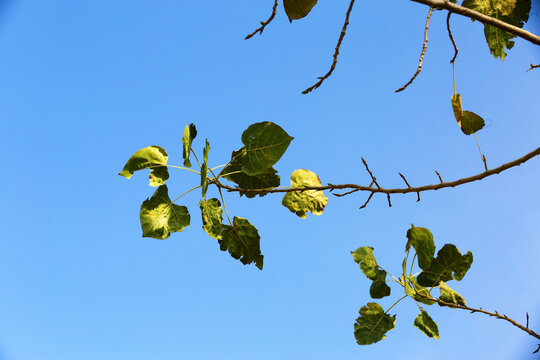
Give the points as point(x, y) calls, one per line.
point(379, 288)
point(159, 176)
point(471, 123)
point(300, 202)
point(160, 217)
point(204, 170)
point(449, 264)
point(456, 106)
point(373, 324)
point(190, 132)
point(408, 290)
point(489, 7)
point(421, 292)
point(242, 241)
point(297, 9)
point(152, 157)
point(421, 240)
point(513, 12)
point(450, 296)
point(265, 143)
point(426, 325)
point(265, 180)
point(368, 264)
point(212, 217)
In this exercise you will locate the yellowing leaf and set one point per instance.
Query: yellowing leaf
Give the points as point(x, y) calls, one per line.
point(300, 202)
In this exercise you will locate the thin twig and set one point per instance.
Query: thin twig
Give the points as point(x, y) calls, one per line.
point(406, 182)
point(336, 52)
point(481, 154)
point(379, 189)
point(484, 19)
point(424, 48)
point(439, 175)
point(373, 178)
point(264, 23)
point(451, 38)
point(367, 201)
point(533, 67)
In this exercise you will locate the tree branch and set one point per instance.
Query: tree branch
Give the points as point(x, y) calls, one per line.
point(264, 23)
point(336, 52)
point(378, 189)
point(424, 48)
point(534, 67)
point(484, 19)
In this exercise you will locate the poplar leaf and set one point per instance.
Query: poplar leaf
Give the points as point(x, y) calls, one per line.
point(421, 240)
point(204, 170)
point(151, 157)
point(159, 176)
point(160, 217)
point(449, 264)
point(265, 143)
point(471, 123)
point(301, 202)
point(489, 7)
point(421, 292)
point(190, 132)
point(212, 217)
point(457, 108)
point(265, 180)
point(242, 240)
point(449, 295)
point(368, 264)
point(426, 325)
point(373, 324)
point(297, 9)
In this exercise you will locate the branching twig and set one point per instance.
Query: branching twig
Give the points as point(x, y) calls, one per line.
point(451, 38)
point(484, 19)
point(424, 48)
point(264, 23)
point(378, 189)
point(533, 67)
point(439, 175)
point(493, 314)
point(336, 52)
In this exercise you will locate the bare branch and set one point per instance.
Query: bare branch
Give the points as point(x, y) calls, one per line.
point(373, 178)
point(484, 19)
point(451, 38)
point(378, 189)
point(439, 175)
point(367, 201)
point(264, 23)
point(493, 314)
point(424, 48)
point(336, 52)
point(533, 67)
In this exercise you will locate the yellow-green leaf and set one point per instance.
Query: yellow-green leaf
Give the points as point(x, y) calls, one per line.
point(297, 9)
point(425, 323)
point(449, 295)
point(301, 202)
point(152, 157)
point(373, 324)
point(190, 132)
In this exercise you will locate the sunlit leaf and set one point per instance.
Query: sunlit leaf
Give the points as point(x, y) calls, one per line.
point(449, 295)
point(408, 289)
point(242, 240)
point(265, 180)
point(204, 170)
point(159, 176)
point(373, 324)
point(297, 9)
point(264, 144)
point(510, 11)
point(160, 217)
point(420, 292)
point(368, 264)
point(449, 264)
point(456, 106)
point(301, 202)
point(190, 132)
point(212, 217)
point(426, 325)
point(421, 240)
point(152, 157)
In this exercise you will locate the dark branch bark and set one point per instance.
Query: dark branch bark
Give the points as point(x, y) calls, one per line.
point(388, 192)
point(264, 23)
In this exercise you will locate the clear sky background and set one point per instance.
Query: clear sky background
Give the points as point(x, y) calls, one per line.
point(84, 84)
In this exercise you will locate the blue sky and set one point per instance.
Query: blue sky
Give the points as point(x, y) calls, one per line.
point(83, 85)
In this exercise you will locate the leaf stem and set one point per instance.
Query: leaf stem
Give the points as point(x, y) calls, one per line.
point(183, 168)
